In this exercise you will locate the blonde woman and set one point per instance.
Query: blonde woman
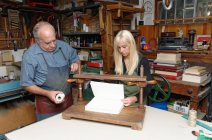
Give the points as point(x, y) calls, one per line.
point(128, 62)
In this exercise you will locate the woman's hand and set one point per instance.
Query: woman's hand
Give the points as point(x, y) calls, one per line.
point(129, 100)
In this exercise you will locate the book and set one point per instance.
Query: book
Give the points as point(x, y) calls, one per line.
point(107, 98)
point(172, 67)
point(167, 61)
point(165, 64)
point(201, 38)
point(196, 70)
point(97, 64)
point(169, 56)
point(170, 70)
point(170, 77)
point(195, 78)
point(85, 68)
point(168, 73)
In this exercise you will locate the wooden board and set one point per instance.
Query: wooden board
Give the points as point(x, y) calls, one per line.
point(129, 116)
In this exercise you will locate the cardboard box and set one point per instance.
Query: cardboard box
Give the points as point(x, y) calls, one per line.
point(15, 115)
point(181, 108)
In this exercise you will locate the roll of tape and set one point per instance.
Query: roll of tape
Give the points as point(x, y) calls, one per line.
point(60, 96)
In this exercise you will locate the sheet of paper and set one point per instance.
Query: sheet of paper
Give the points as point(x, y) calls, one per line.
point(104, 106)
point(107, 98)
point(107, 90)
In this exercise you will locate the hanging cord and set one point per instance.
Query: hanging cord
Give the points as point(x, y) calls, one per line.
point(63, 53)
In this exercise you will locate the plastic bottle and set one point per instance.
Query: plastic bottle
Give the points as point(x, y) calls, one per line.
point(142, 42)
point(185, 65)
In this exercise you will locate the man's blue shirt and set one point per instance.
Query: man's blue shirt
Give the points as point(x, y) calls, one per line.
point(35, 60)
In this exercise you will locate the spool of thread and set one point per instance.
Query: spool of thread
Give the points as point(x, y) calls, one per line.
point(60, 96)
point(192, 119)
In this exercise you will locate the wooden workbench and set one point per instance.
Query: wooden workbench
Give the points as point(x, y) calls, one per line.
point(196, 92)
point(158, 125)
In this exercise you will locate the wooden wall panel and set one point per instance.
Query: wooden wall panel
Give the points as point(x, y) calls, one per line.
point(149, 32)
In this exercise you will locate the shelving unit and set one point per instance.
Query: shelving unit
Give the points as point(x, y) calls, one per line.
point(17, 20)
point(118, 17)
point(184, 11)
point(68, 12)
point(172, 21)
point(87, 43)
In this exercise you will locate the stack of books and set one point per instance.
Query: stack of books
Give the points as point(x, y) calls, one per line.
point(196, 74)
point(94, 66)
point(168, 65)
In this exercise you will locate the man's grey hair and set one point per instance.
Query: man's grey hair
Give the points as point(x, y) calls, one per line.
point(39, 25)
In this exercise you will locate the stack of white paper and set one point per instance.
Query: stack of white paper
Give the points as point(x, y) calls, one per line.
point(107, 98)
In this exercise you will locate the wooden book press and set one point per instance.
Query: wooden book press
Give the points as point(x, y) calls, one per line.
point(132, 116)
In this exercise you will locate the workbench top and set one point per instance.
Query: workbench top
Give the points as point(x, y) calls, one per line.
point(158, 124)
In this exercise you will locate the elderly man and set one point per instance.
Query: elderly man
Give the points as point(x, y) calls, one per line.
point(45, 68)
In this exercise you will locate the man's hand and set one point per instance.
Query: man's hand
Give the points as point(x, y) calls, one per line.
point(52, 96)
point(129, 100)
point(39, 91)
point(74, 67)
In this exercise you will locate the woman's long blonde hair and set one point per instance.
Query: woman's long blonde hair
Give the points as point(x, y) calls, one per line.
point(127, 37)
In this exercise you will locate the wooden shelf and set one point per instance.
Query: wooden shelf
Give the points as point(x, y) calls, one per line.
point(81, 33)
point(88, 48)
point(81, 8)
point(194, 51)
point(26, 8)
point(121, 24)
point(185, 51)
point(190, 56)
point(5, 39)
point(182, 19)
point(123, 6)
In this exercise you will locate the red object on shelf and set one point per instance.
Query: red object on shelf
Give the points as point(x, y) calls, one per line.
point(94, 64)
point(41, 3)
point(170, 77)
point(35, 4)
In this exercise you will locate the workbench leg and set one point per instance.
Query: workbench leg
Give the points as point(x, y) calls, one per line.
point(209, 114)
point(194, 103)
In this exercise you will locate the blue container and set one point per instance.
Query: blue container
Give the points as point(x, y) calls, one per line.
point(11, 85)
point(160, 105)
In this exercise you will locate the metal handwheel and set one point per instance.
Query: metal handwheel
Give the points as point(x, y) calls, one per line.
point(159, 94)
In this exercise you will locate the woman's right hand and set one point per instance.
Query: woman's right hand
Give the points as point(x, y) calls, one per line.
point(129, 100)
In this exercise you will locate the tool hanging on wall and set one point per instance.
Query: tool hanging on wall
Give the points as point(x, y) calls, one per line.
point(6, 32)
point(13, 18)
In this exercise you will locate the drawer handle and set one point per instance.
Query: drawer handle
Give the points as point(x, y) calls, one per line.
point(189, 91)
